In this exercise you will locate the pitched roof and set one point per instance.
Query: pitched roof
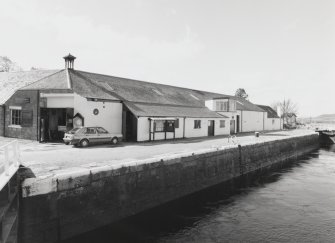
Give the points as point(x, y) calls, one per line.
point(271, 112)
point(93, 85)
point(159, 110)
point(10, 82)
point(56, 80)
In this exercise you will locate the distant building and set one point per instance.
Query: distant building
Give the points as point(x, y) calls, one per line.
point(43, 104)
point(290, 119)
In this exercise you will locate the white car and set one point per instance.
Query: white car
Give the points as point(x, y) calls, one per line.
point(85, 136)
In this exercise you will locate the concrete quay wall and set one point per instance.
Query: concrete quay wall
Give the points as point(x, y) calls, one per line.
point(72, 204)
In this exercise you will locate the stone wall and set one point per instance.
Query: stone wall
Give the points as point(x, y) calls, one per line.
point(85, 202)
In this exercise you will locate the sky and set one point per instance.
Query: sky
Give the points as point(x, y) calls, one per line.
point(274, 49)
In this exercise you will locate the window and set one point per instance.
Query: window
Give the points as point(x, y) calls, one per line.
point(197, 124)
point(169, 126)
point(176, 124)
point(159, 126)
point(15, 116)
point(222, 105)
point(222, 123)
point(90, 130)
point(273, 121)
point(101, 130)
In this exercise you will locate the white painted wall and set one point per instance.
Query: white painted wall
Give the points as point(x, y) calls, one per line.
point(143, 129)
point(109, 117)
point(59, 100)
point(252, 121)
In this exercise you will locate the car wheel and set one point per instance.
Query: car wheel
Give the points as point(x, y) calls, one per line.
point(84, 143)
point(67, 143)
point(114, 140)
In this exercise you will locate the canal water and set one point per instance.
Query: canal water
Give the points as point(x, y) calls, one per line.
point(291, 204)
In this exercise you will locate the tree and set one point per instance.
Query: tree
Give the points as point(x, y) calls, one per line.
point(285, 107)
point(241, 93)
point(6, 65)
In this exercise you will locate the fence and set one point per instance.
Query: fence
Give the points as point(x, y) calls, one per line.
point(10, 161)
point(9, 199)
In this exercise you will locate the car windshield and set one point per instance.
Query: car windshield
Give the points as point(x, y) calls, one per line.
point(101, 130)
point(74, 130)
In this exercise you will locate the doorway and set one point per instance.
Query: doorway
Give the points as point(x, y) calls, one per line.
point(54, 122)
point(211, 128)
point(237, 123)
point(232, 126)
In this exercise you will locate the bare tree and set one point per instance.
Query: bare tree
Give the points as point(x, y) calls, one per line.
point(241, 93)
point(286, 108)
point(6, 65)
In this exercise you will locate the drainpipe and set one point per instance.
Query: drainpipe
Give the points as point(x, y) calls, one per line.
point(4, 120)
point(184, 127)
point(241, 120)
point(38, 130)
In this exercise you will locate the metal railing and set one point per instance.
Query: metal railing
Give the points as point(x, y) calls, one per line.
point(10, 160)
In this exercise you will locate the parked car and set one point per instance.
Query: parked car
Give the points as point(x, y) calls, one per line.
point(85, 136)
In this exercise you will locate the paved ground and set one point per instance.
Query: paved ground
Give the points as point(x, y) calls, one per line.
point(55, 158)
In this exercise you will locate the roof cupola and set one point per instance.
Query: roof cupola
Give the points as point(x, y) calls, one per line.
point(69, 61)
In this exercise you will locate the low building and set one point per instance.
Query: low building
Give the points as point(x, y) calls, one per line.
point(271, 119)
point(141, 111)
point(290, 120)
point(244, 115)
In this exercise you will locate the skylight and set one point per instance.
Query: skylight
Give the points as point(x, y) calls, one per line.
point(107, 86)
point(194, 97)
point(157, 92)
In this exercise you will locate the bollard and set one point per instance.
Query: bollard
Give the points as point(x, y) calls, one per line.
point(256, 134)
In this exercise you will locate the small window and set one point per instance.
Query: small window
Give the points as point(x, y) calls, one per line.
point(15, 115)
point(176, 123)
point(101, 130)
point(157, 92)
point(222, 123)
point(197, 124)
point(169, 126)
point(159, 126)
point(194, 97)
point(90, 130)
point(273, 121)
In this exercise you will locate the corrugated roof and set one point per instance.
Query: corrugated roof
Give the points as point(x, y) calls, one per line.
point(271, 112)
point(159, 110)
point(10, 82)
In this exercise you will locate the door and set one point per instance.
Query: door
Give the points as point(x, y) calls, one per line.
point(232, 126)
point(237, 123)
point(211, 128)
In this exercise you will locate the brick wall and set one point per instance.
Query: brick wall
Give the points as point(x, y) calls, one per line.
point(85, 202)
point(20, 98)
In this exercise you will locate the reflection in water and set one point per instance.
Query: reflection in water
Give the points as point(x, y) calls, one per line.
point(293, 204)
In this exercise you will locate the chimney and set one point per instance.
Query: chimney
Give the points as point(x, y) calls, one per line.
point(69, 61)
